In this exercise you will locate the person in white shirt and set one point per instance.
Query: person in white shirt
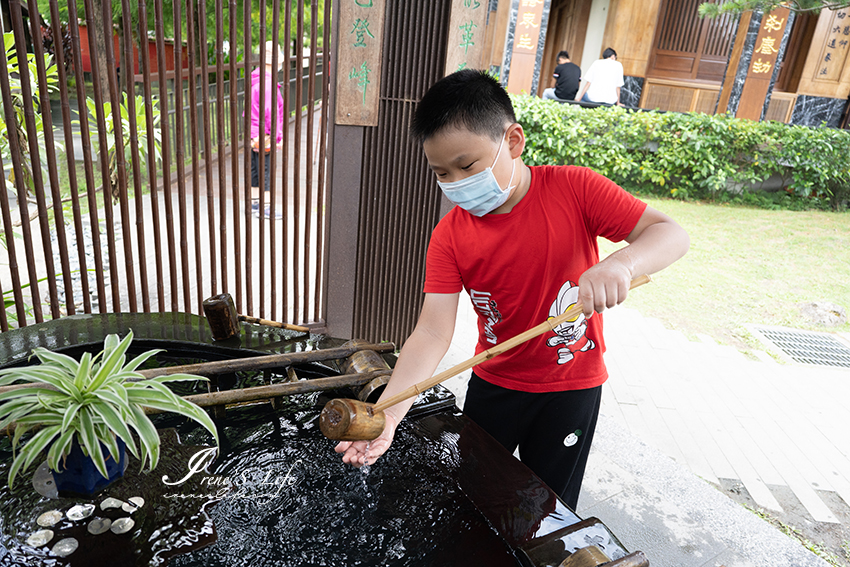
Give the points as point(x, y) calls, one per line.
point(603, 80)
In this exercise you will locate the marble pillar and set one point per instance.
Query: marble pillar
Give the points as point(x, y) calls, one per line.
point(747, 57)
point(630, 92)
point(541, 46)
point(509, 43)
point(818, 110)
point(511, 37)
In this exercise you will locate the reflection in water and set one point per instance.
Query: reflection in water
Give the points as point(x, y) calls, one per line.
point(107, 535)
point(294, 502)
point(277, 495)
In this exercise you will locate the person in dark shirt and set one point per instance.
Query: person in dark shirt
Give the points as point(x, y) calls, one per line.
point(565, 80)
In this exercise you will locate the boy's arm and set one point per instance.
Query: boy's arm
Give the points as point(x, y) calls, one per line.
point(655, 242)
point(422, 352)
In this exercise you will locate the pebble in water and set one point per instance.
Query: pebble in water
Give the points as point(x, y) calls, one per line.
point(39, 538)
point(49, 519)
point(133, 503)
point(80, 512)
point(65, 547)
point(99, 526)
point(122, 525)
point(111, 503)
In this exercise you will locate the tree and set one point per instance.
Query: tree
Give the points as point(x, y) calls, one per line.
point(284, 38)
point(712, 10)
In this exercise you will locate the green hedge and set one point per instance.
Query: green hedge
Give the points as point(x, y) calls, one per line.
point(687, 156)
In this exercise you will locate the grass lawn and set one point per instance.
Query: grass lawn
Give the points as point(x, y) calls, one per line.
point(747, 266)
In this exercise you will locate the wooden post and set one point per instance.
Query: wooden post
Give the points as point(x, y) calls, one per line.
point(527, 28)
point(762, 67)
point(220, 312)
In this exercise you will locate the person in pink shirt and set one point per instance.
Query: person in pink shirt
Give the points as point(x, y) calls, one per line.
point(269, 117)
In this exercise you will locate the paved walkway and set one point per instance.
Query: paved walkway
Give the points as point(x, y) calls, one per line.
point(683, 422)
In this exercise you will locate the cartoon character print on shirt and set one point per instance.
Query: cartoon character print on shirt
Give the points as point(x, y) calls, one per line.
point(571, 335)
point(486, 306)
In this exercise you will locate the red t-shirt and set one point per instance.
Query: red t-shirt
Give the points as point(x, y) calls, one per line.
point(523, 267)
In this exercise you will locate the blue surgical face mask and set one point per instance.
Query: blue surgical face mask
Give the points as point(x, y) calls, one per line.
point(480, 193)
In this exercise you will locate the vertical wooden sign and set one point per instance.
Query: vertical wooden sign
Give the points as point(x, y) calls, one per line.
point(358, 64)
point(835, 47)
point(524, 53)
point(763, 63)
point(465, 45)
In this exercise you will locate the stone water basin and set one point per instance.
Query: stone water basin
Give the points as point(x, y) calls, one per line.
point(278, 495)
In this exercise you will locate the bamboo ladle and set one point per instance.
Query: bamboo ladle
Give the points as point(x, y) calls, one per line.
point(353, 420)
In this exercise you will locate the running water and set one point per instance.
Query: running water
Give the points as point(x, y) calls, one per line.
point(364, 472)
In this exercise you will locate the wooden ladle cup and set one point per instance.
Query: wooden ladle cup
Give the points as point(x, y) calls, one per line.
point(353, 420)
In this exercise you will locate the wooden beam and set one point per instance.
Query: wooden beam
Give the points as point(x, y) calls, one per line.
point(734, 61)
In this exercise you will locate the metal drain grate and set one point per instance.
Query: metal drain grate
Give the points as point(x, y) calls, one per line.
point(805, 347)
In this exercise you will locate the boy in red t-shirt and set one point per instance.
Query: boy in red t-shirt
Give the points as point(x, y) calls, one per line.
point(522, 242)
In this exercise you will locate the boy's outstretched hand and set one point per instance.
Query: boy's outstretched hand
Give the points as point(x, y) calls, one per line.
point(359, 453)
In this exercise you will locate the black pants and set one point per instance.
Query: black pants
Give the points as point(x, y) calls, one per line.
point(552, 430)
point(255, 169)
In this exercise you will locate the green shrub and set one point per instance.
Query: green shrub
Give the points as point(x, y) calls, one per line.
point(691, 156)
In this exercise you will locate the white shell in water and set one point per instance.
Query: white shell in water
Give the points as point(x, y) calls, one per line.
point(50, 518)
point(133, 503)
point(80, 512)
point(39, 538)
point(99, 526)
point(65, 547)
point(122, 525)
point(111, 503)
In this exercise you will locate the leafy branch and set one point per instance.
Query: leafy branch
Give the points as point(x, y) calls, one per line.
point(735, 7)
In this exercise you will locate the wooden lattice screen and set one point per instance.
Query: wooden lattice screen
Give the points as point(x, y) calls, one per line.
point(688, 47)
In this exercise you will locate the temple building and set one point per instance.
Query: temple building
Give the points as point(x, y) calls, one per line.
point(784, 66)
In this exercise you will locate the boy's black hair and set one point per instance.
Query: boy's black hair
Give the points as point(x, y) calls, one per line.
point(563, 54)
point(469, 99)
point(608, 53)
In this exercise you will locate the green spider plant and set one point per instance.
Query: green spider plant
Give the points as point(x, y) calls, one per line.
point(93, 401)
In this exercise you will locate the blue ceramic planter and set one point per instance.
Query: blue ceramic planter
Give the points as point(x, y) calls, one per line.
point(79, 475)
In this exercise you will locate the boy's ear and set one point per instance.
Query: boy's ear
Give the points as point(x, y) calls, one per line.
point(516, 140)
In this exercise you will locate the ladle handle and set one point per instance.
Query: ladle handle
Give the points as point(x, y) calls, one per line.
point(547, 325)
point(267, 323)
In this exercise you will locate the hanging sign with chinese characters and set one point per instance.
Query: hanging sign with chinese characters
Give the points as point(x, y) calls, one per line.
point(835, 49)
point(529, 20)
point(466, 35)
point(763, 63)
point(358, 64)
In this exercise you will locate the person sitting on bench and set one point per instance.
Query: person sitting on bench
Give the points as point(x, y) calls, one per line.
point(565, 80)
